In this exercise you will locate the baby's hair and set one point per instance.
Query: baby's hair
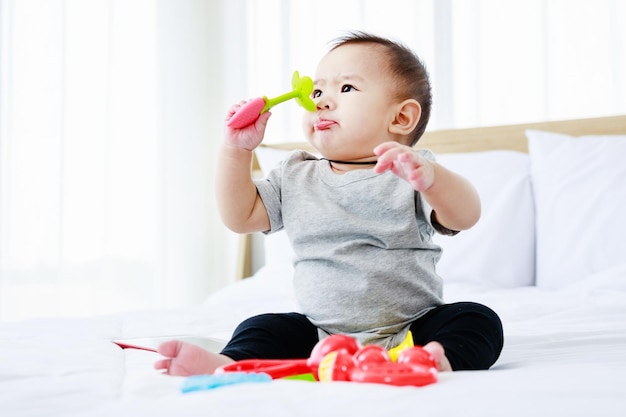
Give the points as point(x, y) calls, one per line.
point(406, 66)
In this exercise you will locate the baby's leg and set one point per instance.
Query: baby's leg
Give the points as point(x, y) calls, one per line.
point(469, 335)
point(184, 359)
point(267, 336)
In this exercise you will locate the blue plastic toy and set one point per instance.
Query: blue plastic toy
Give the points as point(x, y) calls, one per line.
point(206, 382)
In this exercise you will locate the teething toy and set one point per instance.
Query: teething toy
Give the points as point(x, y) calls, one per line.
point(250, 112)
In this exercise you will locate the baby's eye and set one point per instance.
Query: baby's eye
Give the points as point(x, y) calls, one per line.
point(316, 94)
point(346, 88)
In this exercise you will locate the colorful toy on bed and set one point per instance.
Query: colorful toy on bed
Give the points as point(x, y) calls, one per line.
point(341, 358)
point(302, 87)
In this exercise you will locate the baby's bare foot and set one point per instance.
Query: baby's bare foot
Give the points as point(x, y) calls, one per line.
point(184, 359)
point(439, 353)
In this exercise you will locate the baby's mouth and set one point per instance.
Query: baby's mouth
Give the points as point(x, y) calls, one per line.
point(323, 124)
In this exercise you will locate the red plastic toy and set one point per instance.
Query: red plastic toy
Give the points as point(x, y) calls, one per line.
point(341, 358)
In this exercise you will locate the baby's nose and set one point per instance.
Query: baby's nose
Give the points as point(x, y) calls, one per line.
point(323, 103)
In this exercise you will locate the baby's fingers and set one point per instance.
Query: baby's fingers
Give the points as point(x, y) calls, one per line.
point(387, 155)
point(234, 109)
point(384, 147)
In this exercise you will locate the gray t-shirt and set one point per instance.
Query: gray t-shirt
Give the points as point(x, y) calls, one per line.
point(365, 261)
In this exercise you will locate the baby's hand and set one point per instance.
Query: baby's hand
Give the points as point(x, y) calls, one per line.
point(404, 162)
point(248, 137)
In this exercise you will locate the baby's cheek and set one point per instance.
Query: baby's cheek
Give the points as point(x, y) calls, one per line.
point(307, 124)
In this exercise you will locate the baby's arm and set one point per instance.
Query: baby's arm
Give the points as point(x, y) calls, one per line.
point(241, 208)
point(453, 198)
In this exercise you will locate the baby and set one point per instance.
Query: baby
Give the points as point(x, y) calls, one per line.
point(360, 220)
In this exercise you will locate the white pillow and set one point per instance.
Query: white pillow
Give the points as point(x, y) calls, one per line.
point(498, 251)
point(580, 193)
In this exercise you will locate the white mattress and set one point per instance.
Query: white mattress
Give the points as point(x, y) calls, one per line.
point(563, 356)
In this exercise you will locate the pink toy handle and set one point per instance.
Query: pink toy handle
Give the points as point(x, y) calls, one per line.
point(247, 114)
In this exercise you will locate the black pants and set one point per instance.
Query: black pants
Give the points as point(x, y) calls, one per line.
point(470, 333)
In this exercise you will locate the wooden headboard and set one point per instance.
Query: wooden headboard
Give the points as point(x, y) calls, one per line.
point(509, 137)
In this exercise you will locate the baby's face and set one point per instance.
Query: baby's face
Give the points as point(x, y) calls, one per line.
point(355, 106)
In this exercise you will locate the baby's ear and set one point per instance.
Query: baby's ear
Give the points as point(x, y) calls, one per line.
point(406, 117)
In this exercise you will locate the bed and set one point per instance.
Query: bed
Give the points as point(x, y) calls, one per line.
point(548, 255)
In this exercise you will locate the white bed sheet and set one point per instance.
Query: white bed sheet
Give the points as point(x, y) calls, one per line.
point(563, 356)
